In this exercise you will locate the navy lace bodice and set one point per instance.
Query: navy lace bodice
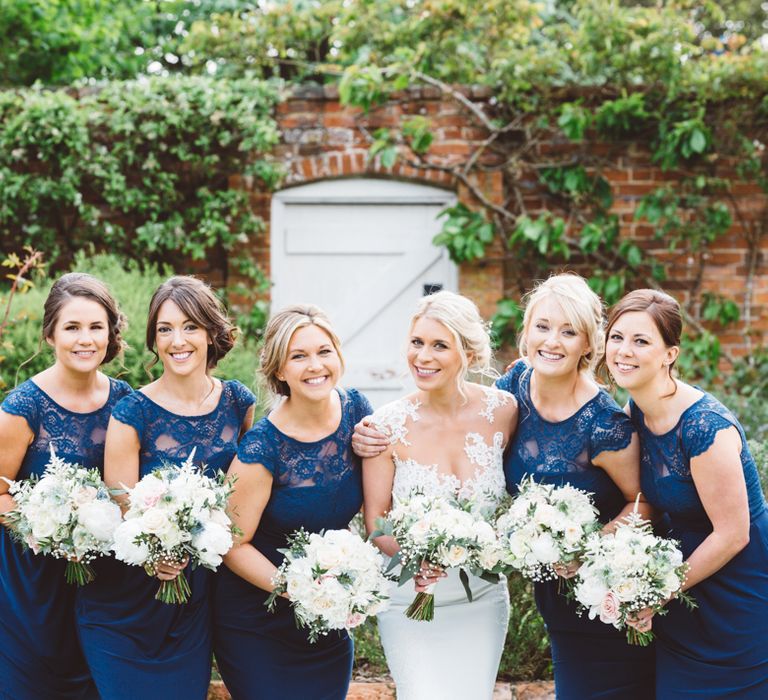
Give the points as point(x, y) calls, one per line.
point(665, 461)
point(563, 452)
point(166, 437)
point(76, 437)
point(316, 485)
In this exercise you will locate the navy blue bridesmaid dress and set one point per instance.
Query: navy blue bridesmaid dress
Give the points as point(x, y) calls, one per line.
point(590, 659)
point(40, 656)
point(719, 650)
point(136, 646)
point(318, 486)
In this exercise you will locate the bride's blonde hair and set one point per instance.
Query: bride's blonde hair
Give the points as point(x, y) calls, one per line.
point(462, 318)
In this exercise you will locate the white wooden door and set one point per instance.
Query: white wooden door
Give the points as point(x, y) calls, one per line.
point(362, 250)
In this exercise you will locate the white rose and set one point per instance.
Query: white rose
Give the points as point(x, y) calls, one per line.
point(148, 492)
point(100, 518)
point(126, 549)
point(155, 521)
point(626, 590)
point(84, 494)
point(455, 555)
point(671, 584)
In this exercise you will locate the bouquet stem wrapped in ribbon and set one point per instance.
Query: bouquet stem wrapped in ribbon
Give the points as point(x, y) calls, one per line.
point(334, 580)
point(445, 533)
point(176, 513)
point(67, 513)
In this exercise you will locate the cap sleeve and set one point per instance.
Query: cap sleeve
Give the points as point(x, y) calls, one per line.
point(510, 381)
point(22, 402)
point(257, 447)
point(611, 432)
point(244, 397)
point(699, 430)
point(129, 410)
point(120, 388)
point(361, 406)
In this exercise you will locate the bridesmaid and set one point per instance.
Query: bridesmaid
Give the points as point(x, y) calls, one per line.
point(135, 645)
point(570, 431)
point(67, 406)
point(696, 465)
point(294, 469)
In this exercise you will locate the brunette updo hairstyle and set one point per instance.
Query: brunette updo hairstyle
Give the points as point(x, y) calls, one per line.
point(80, 284)
point(277, 337)
point(660, 306)
point(200, 305)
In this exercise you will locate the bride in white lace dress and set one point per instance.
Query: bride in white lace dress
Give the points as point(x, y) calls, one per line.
point(448, 437)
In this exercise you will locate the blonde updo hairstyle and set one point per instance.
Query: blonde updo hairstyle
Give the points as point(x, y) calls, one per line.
point(470, 333)
point(580, 305)
point(277, 338)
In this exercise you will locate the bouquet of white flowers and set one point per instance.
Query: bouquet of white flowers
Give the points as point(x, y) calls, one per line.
point(627, 571)
point(176, 512)
point(445, 533)
point(334, 580)
point(545, 525)
point(67, 513)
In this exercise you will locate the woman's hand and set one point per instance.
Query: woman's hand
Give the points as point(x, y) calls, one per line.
point(367, 441)
point(642, 620)
point(429, 574)
point(567, 570)
point(169, 570)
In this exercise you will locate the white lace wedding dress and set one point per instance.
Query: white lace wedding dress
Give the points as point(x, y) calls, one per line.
point(455, 656)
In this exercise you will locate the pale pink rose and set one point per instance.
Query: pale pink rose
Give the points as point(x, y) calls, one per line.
point(354, 619)
point(609, 608)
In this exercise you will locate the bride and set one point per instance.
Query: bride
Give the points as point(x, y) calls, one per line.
point(448, 437)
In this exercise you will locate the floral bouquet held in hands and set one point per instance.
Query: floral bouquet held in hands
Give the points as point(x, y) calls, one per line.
point(67, 513)
point(334, 581)
point(545, 525)
point(627, 571)
point(444, 533)
point(176, 513)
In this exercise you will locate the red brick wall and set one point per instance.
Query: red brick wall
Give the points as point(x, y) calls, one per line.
point(322, 139)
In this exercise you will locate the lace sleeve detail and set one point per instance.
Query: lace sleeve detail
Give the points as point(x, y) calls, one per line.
point(699, 430)
point(21, 402)
point(257, 447)
point(494, 398)
point(244, 397)
point(510, 382)
point(361, 405)
point(390, 419)
point(120, 388)
point(129, 410)
point(612, 431)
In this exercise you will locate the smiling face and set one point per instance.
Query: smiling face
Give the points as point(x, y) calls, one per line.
point(312, 366)
point(434, 358)
point(182, 345)
point(81, 335)
point(553, 346)
point(635, 352)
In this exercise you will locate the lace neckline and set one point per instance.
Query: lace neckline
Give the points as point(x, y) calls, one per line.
point(77, 413)
point(676, 426)
point(184, 415)
point(526, 382)
point(311, 442)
